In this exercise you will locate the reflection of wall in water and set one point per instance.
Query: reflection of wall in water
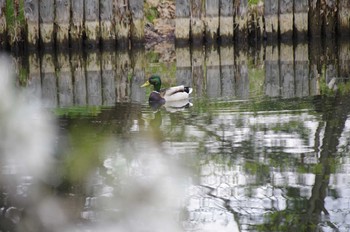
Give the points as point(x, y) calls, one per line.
point(103, 78)
point(97, 78)
point(289, 73)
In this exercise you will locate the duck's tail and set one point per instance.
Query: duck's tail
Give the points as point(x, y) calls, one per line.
point(188, 90)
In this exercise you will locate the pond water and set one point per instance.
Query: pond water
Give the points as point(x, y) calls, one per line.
point(262, 144)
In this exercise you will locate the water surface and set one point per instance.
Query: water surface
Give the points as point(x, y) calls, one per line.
point(262, 146)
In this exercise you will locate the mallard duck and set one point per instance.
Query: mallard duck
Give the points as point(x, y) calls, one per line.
point(161, 96)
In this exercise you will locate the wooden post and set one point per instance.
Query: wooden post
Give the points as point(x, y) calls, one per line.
point(344, 59)
point(137, 22)
point(62, 23)
point(64, 80)
point(34, 78)
point(260, 22)
point(226, 21)
point(198, 71)
point(227, 71)
point(183, 67)
point(31, 12)
point(122, 22)
point(3, 25)
point(314, 80)
point(331, 61)
point(271, 20)
point(93, 79)
point(78, 71)
point(241, 20)
point(108, 81)
point(77, 28)
point(47, 14)
point(211, 20)
point(315, 53)
point(330, 18)
point(212, 60)
point(197, 24)
point(107, 27)
point(241, 75)
point(286, 19)
point(272, 72)
point(301, 20)
point(122, 84)
point(301, 66)
point(314, 19)
point(48, 80)
point(182, 21)
point(344, 18)
point(92, 25)
point(287, 70)
point(138, 77)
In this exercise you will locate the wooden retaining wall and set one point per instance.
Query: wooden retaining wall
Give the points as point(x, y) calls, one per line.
point(271, 20)
point(74, 23)
point(103, 77)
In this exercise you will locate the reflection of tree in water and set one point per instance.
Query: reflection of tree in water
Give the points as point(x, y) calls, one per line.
point(309, 218)
point(273, 184)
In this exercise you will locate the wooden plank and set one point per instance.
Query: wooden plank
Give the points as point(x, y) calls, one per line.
point(106, 21)
point(13, 31)
point(213, 80)
point(331, 73)
point(315, 54)
point(122, 22)
point(344, 59)
point(48, 80)
point(331, 59)
point(314, 83)
point(183, 67)
point(271, 20)
point(260, 21)
point(301, 19)
point(315, 21)
point(108, 81)
point(241, 20)
point(227, 71)
point(272, 72)
point(182, 21)
point(138, 76)
point(64, 80)
point(286, 19)
point(226, 21)
point(123, 64)
point(93, 79)
point(344, 18)
point(34, 78)
point(77, 22)
point(211, 20)
point(301, 66)
point(92, 25)
point(197, 24)
point(241, 75)
point(78, 72)
point(3, 25)
point(31, 13)
point(330, 18)
point(287, 71)
point(62, 23)
point(198, 57)
point(46, 15)
point(137, 22)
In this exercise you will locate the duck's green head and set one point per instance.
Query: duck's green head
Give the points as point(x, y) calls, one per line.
point(155, 81)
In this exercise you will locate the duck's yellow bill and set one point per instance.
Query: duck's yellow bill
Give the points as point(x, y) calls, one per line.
point(146, 84)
